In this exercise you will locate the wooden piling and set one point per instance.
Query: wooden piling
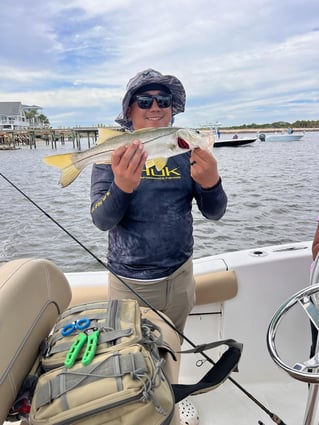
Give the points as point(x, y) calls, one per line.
point(51, 136)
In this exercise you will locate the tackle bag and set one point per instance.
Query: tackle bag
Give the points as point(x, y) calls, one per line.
point(103, 365)
point(121, 383)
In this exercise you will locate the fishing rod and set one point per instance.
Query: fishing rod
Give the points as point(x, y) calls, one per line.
point(272, 415)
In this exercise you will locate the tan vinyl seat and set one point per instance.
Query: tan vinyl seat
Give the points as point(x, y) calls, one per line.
point(33, 292)
point(211, 288)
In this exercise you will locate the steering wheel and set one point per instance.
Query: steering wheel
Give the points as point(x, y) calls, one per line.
point(299, 370)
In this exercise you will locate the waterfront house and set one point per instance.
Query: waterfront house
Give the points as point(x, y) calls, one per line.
point(13, 115)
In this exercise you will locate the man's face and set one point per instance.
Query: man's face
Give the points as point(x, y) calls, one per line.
point(152, 117)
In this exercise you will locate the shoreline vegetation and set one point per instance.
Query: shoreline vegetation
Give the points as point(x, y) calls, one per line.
point(227, 130)
point(275, 127)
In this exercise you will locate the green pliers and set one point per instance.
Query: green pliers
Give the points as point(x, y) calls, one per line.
point(90, 337)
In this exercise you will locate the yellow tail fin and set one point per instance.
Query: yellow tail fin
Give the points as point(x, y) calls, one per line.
point(60, 161)
point(69, 171)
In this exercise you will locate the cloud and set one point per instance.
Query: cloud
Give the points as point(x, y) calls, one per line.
point(253, 62)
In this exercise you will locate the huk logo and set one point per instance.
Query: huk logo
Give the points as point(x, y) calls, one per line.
point(165, 173)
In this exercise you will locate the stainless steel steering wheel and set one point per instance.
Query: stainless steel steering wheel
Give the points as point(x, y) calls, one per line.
point(306, 371)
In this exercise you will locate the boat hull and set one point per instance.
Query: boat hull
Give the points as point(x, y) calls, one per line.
point(283, 137)
point(233, 142)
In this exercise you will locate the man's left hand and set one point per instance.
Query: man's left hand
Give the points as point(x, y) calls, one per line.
point(204, 168)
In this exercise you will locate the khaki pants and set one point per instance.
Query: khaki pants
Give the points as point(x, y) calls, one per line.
point(174, 295)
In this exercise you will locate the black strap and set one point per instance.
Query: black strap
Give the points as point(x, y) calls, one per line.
point(214, 377)
point(207, 346)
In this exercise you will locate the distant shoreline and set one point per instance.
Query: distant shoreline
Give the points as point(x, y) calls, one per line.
point(265, 130)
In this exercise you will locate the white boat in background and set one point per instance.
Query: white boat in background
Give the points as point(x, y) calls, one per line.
point(260, 391)
point(279, 137)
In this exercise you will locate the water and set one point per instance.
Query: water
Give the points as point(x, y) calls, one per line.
point(272, 191)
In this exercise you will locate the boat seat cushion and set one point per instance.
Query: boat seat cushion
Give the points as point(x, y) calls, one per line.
point(215, 287)
point(33, 292)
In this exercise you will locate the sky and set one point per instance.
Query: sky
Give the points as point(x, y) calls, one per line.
point(240, 61)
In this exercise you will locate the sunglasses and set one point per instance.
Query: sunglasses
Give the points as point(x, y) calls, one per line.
point(145, 101)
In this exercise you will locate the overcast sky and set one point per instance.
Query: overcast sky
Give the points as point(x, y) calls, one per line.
point(241, 61)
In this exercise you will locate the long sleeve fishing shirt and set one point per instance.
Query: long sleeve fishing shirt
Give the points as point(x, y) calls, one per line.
point(150, 231)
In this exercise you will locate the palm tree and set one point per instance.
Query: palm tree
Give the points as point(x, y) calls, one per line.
point(36, 119)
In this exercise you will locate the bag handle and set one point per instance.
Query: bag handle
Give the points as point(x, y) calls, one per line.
point(216, 375)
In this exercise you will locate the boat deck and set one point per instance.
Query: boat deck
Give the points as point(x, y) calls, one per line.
point(228, 405)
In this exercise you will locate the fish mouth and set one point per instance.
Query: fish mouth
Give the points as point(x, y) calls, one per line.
point(182, 143)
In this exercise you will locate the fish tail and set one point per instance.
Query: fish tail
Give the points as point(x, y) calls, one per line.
point(65, 162)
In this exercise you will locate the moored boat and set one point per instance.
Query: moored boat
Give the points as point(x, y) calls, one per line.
point(280, 137)
point(234, 142)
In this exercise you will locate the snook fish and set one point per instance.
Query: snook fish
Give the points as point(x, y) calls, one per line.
point(160, 144)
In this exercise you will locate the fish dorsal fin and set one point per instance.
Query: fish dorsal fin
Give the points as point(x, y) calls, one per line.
point(159, 163)
point(107, 133)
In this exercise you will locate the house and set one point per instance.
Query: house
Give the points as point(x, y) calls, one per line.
point(13, 115)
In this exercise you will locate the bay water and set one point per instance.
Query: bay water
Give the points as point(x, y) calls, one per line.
point(272, 199)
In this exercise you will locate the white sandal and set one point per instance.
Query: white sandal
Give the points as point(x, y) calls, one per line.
point(188, 414)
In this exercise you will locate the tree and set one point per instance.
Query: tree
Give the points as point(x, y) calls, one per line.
point(43, 119)
point(36, 118)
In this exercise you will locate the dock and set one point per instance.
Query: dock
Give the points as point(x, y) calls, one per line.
point(13, 139)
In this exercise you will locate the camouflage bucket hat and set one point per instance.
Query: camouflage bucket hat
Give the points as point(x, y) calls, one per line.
point(150, 76)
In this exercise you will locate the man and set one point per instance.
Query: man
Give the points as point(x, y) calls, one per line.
point(148, 215)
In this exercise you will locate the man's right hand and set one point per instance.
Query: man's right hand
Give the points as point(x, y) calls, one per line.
point(127, 165)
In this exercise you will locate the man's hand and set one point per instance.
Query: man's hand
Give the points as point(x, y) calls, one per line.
point(204, 168)
point(127, 165)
